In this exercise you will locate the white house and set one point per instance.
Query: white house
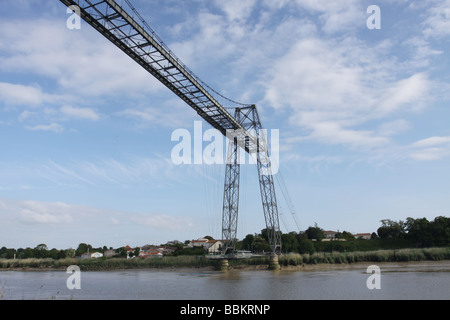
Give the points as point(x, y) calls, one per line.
point(89, 255)
point(330, 234)
point(212, 246)
point(96, 255)
point(198, 243)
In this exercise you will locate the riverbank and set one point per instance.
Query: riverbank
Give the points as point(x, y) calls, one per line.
point(287, 262)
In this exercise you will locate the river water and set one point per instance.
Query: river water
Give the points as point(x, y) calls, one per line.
point(409, 281)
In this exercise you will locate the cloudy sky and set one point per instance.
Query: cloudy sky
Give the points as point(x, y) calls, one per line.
point(85, 133)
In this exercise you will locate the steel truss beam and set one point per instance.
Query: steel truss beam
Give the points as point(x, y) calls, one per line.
point(146, 48)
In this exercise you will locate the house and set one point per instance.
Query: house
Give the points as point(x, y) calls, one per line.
point(212, 246)
point(330, 234)
point(198, 243)
point(96, 255)
point(166, 249)
point(89, 255)
point(363, 236)
point(109, 253)
point(150, 253)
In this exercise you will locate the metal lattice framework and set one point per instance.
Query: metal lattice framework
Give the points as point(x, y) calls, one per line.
point(142, 44)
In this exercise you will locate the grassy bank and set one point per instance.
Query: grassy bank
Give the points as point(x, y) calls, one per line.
point(401, 255)
point(109, 264)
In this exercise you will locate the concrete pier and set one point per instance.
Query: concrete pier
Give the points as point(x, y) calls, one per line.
point(224, 266)
point(274, 265)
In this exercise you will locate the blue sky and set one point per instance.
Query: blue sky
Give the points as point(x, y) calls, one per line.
point(85, 133)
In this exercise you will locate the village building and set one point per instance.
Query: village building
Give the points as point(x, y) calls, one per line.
point(210, 245)
point(363, 236)
point(91, 255)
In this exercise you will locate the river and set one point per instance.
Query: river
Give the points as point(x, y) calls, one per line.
point(408, 281)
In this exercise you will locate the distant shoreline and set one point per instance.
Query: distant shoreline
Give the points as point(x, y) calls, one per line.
point(287, 262)
point(416, 266)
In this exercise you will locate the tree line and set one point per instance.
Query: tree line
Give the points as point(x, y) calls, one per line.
point(41, 251)
point(411, 233)
point(420, 232)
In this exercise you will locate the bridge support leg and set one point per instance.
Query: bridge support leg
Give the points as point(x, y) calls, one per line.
point(274, 265)
point(231, 198)
point(224, 266)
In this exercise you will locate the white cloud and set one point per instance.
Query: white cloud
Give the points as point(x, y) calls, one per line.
point(179, 114)
point(55, 127)
point(333, 88)
point(236, 9)
point(34, 212)
point(437, 23)
point(394, 127)
point(405, 92)
point(335, 15)
point(25, 115)
point(82, 62)
point(433, 148)
point(80, 113)
point(430, 142)
point(22, 95)
point(163, 222)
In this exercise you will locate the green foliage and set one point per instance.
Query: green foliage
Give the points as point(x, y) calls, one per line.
point(314, 233)
point(196, 251)
point(387, 245)
point(391, 229)
point(83, 248)
point(306, 246)
point(247, 243)
point(289, 242)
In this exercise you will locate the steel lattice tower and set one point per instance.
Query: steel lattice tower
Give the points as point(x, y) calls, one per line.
point(142, 45)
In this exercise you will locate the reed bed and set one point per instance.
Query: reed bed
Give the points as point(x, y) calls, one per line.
point(401, 255)
point(293, 259)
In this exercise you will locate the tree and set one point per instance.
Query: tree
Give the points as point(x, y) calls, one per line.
point(391, 229)
point(247, 243)
point(70, 253)
point(315, 233)
point(440, 228)
point(260, 244)
point(347, 235)
point(41, 251)
point(28, 253)
point(122, 252)
point(289, 242)
point(6, 253)
point(83, 248)
point(419, 231)
point(306, 246)
point(62, 254)
point(53, 253)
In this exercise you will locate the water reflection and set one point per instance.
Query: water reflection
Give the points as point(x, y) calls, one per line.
point(399, 281)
